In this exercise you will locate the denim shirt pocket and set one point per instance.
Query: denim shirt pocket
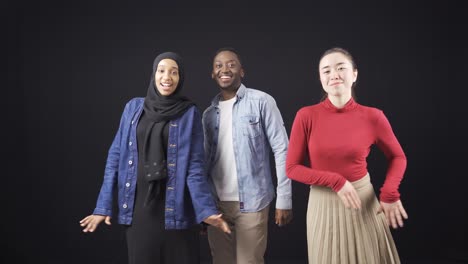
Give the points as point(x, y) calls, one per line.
point(251, 126)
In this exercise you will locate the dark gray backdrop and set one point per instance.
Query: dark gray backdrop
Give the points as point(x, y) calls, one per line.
point(72, 66)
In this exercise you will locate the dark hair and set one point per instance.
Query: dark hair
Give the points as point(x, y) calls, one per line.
point(231, 49)
point(350, 58)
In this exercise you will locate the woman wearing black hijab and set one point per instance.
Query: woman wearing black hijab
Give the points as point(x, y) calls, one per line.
point(156, 164)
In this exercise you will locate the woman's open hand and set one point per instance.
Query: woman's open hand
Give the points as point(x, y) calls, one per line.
point(91, 222)
point(394, 212)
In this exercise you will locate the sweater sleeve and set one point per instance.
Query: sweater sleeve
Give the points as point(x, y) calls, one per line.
point(388, 143)
point(298, 145)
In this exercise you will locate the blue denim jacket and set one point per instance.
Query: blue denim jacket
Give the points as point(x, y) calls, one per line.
point(185, 167)
point(257, 128)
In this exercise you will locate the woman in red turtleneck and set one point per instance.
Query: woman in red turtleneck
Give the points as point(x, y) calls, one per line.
point(345, 221)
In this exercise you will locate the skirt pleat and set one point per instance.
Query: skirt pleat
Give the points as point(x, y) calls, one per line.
point(339, 235)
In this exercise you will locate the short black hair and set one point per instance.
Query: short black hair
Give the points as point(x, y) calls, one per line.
point(231, 49)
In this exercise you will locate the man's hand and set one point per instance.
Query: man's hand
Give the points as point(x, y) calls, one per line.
point(283, 217)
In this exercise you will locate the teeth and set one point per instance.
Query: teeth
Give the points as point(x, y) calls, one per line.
point(165, 84)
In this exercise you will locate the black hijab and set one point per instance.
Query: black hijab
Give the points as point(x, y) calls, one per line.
point(163, 108)
point(159, 110)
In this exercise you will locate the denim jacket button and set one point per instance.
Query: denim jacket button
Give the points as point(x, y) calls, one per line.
point(124, 206)
point(130, 162)
point(130, 143)
point(127, 184)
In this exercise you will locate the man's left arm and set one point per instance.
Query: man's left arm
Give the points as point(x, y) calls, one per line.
point(278, 138)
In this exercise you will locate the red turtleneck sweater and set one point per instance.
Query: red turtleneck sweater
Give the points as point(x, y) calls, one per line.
point(338, 142)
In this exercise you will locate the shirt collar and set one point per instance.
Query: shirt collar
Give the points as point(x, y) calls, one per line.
point(239, 94)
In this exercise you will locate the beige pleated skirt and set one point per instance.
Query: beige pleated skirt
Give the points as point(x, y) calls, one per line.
point(339, 235)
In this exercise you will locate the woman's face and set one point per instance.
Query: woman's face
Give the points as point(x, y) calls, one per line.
point(166, 77)
point(337, 74)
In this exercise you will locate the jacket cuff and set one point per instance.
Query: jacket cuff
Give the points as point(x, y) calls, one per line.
point(102, 211)
point(205, 213)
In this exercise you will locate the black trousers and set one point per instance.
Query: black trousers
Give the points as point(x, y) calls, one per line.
point(149, 243)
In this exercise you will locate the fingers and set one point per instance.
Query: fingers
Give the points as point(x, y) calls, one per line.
point(225, 227)
point(344, 199)
point(218, 222)
point(402, 210)
point(399, 219)
point(84, 219)
point(394, 213)
point(107, 221)
point(349, 196)
point(393, 220)
point(221, 224)
point(283, 217)
point(91, 222)
point(355, 200)
point(86, 223)
point(400, 213)
point(90, 227)
point(279, 220)
point(212, 219)
point(351, 200)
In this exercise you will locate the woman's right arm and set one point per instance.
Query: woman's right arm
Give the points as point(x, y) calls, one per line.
point(295, 169)
point(298, 144)
point(103, 210)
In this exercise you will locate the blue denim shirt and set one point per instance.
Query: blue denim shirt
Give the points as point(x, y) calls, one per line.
point(257, 127)
point(185, 165)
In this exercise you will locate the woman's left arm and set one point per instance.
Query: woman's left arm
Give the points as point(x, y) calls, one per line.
point(200, 192)
point(202, 198)
point(390, 202)
point(388, 143)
